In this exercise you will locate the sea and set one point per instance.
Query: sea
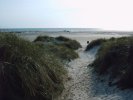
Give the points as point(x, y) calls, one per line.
point(80, 34)
point(47, 29)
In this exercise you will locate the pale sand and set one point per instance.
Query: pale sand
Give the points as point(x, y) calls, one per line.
point(81, 37)
point(86, 85)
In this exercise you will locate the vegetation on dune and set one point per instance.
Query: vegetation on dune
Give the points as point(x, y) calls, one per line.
point(115, 57)
point(44, 39)
point(73, 44)
point(28, 71)
point(97, 42)
point(61, 47)
point(33, 70)
point(94, 43)
point(59, 41)
point(69, 43)
point(63, 53)
point(62, 38)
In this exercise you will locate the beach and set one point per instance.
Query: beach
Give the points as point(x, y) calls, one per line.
point(82, 37)
point(76, 79)
point(83, 83)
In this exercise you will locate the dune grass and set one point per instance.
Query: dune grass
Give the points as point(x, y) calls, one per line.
point(73, 44)
point(44, 39)
point(69, 43)
point(97, 42)
point(62, 38)
point(28, 71)
point(63, 53)
point(115, 57)
point(61, 47)
point(59, 41)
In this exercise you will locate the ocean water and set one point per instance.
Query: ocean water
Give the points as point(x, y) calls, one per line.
point(19, 30)
point(80, 34)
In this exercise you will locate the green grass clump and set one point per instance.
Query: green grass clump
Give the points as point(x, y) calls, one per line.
point(61, 40)
point(115, 57)
point(28, 71)
point(73, 44)
point(94, 43)
point(69, 43)
point(44, 39)
point(61, 47)
point(63, 53)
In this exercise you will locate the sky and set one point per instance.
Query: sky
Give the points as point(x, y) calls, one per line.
point(104, 14)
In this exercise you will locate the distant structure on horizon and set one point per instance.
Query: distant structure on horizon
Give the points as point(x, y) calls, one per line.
point(66, 31)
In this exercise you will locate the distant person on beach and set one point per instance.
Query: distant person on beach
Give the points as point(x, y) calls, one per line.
point(87, 42)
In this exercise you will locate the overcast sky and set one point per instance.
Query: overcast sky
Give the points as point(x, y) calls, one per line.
point(105, 14)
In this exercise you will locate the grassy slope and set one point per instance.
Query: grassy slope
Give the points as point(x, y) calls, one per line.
point(61, 46)
point(28, 70)
point(69, 43)
point(94, 43)
point(61, 40)
point(97, 42)
point(115, 57)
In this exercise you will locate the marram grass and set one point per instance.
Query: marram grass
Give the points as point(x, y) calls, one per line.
point(115, 58)
point(95, 43)
point(27, 71)
point(59, 41)
point(62, 47)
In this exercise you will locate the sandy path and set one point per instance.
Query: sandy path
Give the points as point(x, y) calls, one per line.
point(85, 85)
point(76, 88)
